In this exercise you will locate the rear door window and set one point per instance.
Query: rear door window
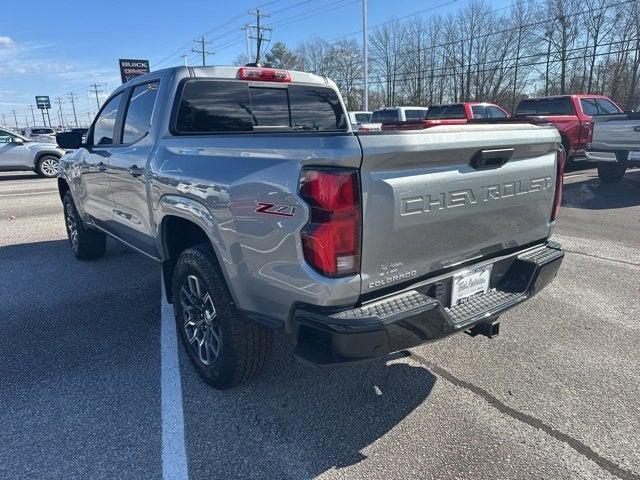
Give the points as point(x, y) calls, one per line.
point(479, 111)
point(215, 106)
point(589, 106)
point(138, 118)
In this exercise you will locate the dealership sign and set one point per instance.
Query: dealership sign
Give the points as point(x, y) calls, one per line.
point(42, 102)
point(132, 68)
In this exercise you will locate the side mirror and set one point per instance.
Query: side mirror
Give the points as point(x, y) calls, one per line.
point(69, 140)
point(17, 141)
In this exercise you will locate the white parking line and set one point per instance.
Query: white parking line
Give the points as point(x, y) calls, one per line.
point(43, 192)
point(174, 455)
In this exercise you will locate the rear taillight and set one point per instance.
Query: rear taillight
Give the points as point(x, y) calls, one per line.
point(331, 238)
point(263, 74)
point(586, 132)
point(557, 199)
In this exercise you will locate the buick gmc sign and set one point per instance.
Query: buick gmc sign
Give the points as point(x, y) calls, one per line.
point(132, 68)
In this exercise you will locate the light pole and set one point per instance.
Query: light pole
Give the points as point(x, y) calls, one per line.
point(366, 54)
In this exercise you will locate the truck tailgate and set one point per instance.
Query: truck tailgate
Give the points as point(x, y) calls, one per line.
point(426, 208)
point(616, 132)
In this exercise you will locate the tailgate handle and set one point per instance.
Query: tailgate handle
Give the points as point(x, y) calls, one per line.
point(485, 159)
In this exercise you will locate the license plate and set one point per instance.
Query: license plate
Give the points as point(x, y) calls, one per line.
point(470, 284)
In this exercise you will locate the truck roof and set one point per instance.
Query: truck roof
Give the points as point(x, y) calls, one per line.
point(568, 95)
point(231, 72)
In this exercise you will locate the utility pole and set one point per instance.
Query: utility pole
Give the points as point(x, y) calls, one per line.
point(246, 28)
point(59, 100)
point(203, 50)
point(26, 119)
point(365, 34)
point(15, 118)
point(33, 116)
point(4, 122)
point(259, 30)
point(72, 96)
point(96, 92)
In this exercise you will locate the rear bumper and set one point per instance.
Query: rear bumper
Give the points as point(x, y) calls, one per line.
point(610, 157)
point(413, 317)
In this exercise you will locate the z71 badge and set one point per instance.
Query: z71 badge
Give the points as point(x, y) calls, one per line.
point(275, 209)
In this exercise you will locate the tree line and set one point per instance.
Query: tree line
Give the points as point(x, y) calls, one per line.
point(479, 53)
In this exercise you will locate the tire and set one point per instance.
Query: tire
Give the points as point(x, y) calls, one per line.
point(224, 349)
point(86, 243)
point(609, 172)
point(47, 166)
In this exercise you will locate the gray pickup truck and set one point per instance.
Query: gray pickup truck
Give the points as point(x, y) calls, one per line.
point(614, 141)
point(267, 212)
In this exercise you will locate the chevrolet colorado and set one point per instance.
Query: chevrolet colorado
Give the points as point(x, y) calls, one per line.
point(268, 212)
point(614, 137)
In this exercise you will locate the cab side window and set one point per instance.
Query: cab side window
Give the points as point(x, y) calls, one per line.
point(104, 128)
point(139, 111)
point(589, 106)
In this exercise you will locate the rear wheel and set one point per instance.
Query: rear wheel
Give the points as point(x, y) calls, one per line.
point(610, 172)
point(225, 350)
point(47, 166)
point(86, 244)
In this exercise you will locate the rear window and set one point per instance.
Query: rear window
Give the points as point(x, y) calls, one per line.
point(546, 106)
point(362, 117)
point(446, 112)
point(385, 116)
point(218, 106)
point(41, 131)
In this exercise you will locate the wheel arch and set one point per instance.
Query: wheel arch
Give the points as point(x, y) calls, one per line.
point(45, 153)
point(184, 223)
point(63, 187)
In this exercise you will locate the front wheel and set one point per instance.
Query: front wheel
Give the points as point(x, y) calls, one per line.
point(225, 350)
point(86, 244)
point(47, 166)
point(610, 172)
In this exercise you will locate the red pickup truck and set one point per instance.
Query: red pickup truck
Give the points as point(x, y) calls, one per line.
point(450, 114)
point(571, 115)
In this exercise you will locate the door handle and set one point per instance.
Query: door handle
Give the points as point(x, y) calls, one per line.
point(637, 129)
point(102, 167)
point(135, 171)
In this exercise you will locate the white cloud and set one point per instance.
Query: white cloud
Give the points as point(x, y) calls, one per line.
point(6, 42)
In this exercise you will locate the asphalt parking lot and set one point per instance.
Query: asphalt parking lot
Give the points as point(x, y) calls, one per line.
point(554, 396)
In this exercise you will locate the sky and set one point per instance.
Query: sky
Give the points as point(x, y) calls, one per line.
point(58, 47)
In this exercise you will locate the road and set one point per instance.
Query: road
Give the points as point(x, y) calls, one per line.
point(554, 396)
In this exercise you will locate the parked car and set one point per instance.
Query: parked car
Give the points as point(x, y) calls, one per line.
point(361, 121)
point(398, 114)
point(18, 153)
point(614, 139)
point(40, 134)
point(450, 114)
point(571, 115)
point(267, 212)
point(356, 118)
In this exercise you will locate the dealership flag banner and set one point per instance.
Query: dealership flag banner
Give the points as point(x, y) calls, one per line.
point(132, 68)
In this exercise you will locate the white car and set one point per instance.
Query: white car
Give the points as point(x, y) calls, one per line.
point(18, 153)
point(40, 134)
point(356, 118)
point(398, 114)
